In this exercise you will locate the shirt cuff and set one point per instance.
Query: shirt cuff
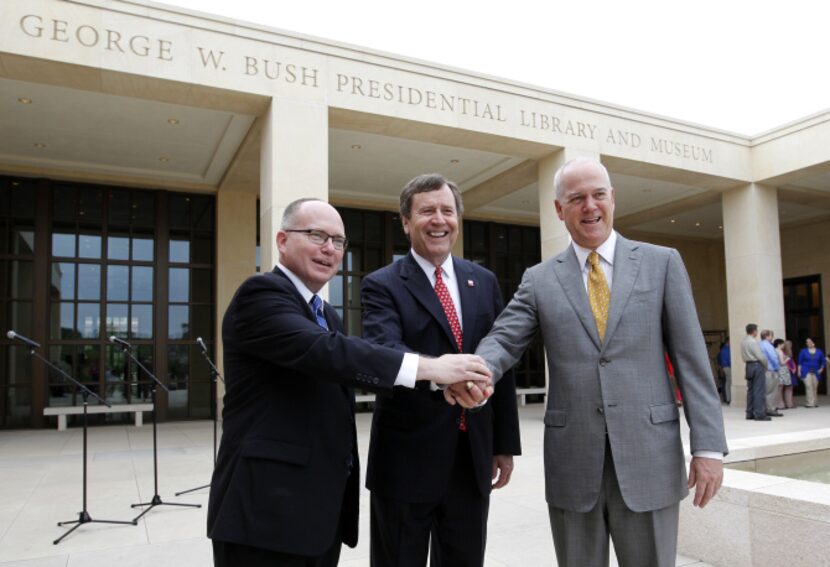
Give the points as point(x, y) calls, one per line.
point(708, 455)
point(408, 371)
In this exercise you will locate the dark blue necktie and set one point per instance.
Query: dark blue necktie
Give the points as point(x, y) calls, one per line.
point(317, 307)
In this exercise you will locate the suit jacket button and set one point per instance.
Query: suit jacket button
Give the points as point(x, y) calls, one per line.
point(604, 362)
point(601, 411)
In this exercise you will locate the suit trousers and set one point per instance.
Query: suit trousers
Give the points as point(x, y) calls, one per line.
point(227, 554)
point(755, 390)
point(453, 530)
point(640, 538)
point(727, 385)
point(771, 393)
point(810, 390)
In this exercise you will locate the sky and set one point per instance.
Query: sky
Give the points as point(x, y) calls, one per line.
point(735, 65)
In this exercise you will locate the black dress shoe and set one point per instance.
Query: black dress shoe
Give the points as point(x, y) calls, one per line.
point(774, 413)
point(765, 418)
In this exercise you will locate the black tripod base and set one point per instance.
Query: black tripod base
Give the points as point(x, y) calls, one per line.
point(85, 518)
point(156, 501)
point(189, 490)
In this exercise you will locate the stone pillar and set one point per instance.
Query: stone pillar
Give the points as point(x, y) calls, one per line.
point(294, 163)
point(754, 280)
point(235, 255)
point(554, 235)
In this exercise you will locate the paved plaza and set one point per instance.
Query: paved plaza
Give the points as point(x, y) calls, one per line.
point(40, 484)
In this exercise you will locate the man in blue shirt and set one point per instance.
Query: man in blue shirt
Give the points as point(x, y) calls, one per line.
point(772, 372)
point(725, 365)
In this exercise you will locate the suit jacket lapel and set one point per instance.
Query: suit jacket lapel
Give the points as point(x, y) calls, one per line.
point(470, 297)
point(569, 273)
point(626, 268)
point(415, 280)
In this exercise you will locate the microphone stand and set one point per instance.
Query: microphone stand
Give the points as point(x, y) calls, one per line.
point(126, 348)
point(83, 515)
point(214, 373)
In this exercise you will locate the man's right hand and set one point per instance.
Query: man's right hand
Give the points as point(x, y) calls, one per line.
point(453, 368)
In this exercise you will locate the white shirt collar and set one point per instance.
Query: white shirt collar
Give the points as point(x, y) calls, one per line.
point(298, 283)
point(605, 250)
point(447, 268)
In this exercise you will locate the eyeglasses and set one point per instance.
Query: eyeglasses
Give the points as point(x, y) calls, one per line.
point(319, 237)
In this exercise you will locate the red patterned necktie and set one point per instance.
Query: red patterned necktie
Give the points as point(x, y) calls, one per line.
point(452, 317)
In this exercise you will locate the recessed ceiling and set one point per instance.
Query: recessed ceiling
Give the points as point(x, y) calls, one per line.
point(90, 132)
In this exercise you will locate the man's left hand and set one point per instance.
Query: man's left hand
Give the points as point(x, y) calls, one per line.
point(502, 469)
point(707, 476)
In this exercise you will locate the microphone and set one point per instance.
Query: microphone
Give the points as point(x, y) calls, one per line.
point(201, 344)
point(121, 342)
point(28, 342)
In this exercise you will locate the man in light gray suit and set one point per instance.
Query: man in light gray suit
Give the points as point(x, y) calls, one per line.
point(609, 309)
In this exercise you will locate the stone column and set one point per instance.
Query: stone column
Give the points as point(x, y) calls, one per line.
point(294, 163)
point(754, 280)
point(554, 235)
point(235, 255)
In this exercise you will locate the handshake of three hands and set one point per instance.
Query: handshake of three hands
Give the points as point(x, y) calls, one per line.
point(468, 379)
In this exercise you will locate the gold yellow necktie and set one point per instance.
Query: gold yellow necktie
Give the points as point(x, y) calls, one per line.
point(598, 293)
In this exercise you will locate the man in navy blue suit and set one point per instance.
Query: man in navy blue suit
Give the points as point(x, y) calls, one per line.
point(432, 465)
point(285, 489)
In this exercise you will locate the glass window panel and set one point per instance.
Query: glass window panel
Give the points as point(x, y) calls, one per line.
point(353, 291)
point(117, 320)
point(5, 241)
point(815, 295)
point(118, 247)
point(179, 283)
point(336, 291)
point(200, 400)
point(89, 365)
point(89, 246)
point(89, 320)
point(18, 407)
point(142, 283)
point(143, 209)
point(90, 203)
point(179, 250)
point(178, 322)
point(373, 227)
point(19, 365)
point(21, 280)
point(115, 364)
point(202, 322)
point(89, 281)
point(63, 202)
point(373, 259)
point(141, 321)
point(63, 280)
point(62, 324)
point(63, 244)
point(202, 249)
point(179, 207)
point(119, 207)
point(354, 326)
point(118, 278)
point(20, 317)
point(23, 239)
point(178, 364)
point(22, 199)
point(202, 212)
point(143, 249)
point(202, 286)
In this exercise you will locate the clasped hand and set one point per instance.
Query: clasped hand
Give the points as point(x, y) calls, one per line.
point(469, 380)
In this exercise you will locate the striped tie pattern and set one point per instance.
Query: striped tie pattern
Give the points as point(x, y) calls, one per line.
point(447, 305)
point(598, 293)
point(317, 307)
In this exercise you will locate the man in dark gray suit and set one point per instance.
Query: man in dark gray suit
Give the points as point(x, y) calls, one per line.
point(609, 309)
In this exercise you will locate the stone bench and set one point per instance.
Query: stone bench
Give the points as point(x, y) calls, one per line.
point(63, 411)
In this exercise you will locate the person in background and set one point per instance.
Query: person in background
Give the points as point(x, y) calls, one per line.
point(771, 376)
point(725, 366)
point(783, 373)
point(811, 364)
point(756, 366)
